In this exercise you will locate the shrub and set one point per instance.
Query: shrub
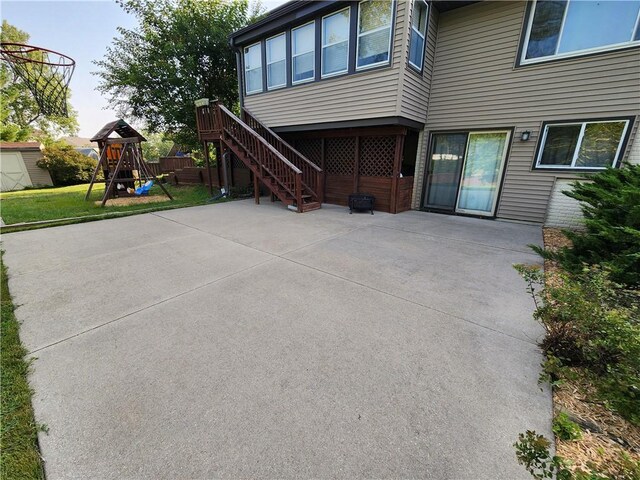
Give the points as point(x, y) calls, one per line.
point(611, 207)
point(66, 166)
point(565, 428)
point(592, 323)
point(533, 451)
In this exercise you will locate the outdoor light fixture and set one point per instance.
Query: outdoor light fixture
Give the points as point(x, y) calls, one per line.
point(525, 135)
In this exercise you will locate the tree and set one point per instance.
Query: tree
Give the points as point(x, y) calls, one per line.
point(20, 117)
point(155, 147)
point(178, 53)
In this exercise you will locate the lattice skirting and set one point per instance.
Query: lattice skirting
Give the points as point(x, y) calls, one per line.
point(356, 164)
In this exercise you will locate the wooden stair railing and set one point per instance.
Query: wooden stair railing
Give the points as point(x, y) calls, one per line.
point(312, 174)
point(280, 175)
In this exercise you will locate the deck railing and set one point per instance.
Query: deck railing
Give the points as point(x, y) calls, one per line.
point(205, 121)
point(312, 174)
point(267, 162)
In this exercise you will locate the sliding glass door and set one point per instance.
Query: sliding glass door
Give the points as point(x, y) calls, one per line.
point(445, 165)
point(465, 170)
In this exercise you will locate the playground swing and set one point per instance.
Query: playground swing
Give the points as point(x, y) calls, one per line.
point(125, 171)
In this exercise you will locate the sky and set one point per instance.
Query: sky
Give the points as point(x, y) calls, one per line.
point(81, 29)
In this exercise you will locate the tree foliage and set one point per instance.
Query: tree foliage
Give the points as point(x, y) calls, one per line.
point(20, 117)
point(178, 53)
point(66, 165)
point(155, 147)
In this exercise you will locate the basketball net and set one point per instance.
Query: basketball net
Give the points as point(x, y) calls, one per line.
point(45, 73)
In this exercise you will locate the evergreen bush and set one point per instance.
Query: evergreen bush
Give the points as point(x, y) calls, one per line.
point(611, 208)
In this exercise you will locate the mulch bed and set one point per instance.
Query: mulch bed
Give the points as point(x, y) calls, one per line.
point(605, 434)
point(127, 201)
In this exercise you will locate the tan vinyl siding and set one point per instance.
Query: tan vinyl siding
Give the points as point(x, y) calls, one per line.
point(363, 95)
point(415, 87)
point(476, 85)
point(39, 176)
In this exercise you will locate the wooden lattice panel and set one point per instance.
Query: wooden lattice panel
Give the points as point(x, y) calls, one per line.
point(340, 155)
point(310, 148)
point(236, 162)
point(376, 156)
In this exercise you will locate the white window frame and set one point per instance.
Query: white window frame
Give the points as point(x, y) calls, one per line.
point(422, 35)
point(323, 45)
point(358, 35)
point(266, 50)
point(246, 70)
point(313, 77)
point(576, 53)
point(572, 166)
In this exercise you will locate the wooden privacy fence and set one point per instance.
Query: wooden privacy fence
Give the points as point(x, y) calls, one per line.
point(154, 168)
point(170, 164)
point(194, 176)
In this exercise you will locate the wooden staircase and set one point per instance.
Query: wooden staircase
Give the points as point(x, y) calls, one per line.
point(292, 178)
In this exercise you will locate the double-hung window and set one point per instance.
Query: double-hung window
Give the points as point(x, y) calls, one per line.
point(566, 28)
point(303, 53)
point(418, 34)
point(335, 43)
point(374, 33)
point(276, 62)
point(253, 68)
point(582, 145)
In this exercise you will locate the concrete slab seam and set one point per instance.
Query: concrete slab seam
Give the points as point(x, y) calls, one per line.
point(282, 256)
point(531, 342)
point(453, 239)
point(104, 255)
point(164, 300)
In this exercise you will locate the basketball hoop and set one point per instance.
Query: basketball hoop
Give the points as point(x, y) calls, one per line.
point(46, 73)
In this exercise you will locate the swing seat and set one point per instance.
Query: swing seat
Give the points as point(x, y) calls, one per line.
point(144, 189)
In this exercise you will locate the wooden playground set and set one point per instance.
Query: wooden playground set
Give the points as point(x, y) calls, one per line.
point(126, 174)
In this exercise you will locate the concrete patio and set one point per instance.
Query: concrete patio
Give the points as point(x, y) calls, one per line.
point(244, 341)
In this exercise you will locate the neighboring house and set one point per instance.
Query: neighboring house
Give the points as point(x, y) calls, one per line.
point(89, 152)
point(479, 108)
point(18, 167)
point(84, 146)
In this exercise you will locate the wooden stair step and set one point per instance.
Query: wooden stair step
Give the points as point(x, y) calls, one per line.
point(307, 207)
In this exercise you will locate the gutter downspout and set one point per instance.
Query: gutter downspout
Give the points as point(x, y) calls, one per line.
point(238, 52)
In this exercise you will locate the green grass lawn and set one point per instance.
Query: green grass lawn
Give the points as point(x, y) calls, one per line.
point(19, 454)
point(66, 202)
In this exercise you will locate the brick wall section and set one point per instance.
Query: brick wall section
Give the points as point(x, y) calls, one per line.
point(563, 211)
point(418, 179)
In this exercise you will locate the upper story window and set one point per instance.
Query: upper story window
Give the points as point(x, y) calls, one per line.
point(303, 53)
point(565, 28)
point(418, 34)
point(335, 43)
point(276, 61)
point(374, 33)
point(582, 145)
point(253, 68)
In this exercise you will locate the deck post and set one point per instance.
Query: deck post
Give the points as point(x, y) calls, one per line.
point(397, 163)
point(356, 166)
point(206, 158)
point(256, 189)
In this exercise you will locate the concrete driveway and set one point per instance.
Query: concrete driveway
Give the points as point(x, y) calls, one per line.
point(244, 341)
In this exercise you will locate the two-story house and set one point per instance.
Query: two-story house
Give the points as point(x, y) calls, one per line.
point(479, 108)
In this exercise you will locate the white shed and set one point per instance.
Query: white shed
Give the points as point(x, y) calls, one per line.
point(18, 167)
